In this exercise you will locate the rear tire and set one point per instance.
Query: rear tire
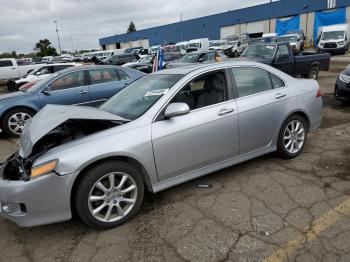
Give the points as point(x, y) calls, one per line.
point(14, 120)
point(313, 72)
point(292, 137)
point(115, 205)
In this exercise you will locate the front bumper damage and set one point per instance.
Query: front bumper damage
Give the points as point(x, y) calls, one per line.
point(41, 201)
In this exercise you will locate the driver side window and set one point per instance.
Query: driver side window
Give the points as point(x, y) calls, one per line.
point(203, 91)
point(71, 80)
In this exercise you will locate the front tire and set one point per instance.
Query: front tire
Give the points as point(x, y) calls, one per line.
point(109, 194)
point(292, 137)
point(13, 121)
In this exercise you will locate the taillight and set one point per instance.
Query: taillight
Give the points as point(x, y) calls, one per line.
point(318, 94)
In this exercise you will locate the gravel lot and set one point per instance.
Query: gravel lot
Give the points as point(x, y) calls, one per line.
point(267, 209)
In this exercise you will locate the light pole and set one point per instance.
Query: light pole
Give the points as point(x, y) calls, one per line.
point(58, 38)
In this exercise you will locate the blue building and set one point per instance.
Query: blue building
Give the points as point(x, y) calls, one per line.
point(276, 16)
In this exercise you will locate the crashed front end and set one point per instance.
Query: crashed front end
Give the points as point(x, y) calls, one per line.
point(32, 194)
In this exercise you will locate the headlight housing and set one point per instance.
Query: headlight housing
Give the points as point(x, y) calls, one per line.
point(344, 78)
point(43, 169)
point(341, 43)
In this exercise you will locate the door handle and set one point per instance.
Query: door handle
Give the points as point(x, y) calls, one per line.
point(83, 92)
point(280, 95)
point(225, 111)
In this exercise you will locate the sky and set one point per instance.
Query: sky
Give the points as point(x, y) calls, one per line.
point(82, 22)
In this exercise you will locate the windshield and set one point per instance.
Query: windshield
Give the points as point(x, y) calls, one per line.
point(138, 97)
point(194, 45)
point(290, 38)
point(190, 58)
point(262, 51)
point(233, 43)
point(219, 43)
point(332, 35)
point(146, 59)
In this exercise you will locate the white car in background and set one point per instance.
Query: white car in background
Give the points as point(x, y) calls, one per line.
point(294, 40)
point(217, 44)
point(9, 69)
point(39, 74)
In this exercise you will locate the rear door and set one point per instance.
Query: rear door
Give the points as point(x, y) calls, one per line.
point(105, 82)
point(261, 105)
point(68, 89)
point(284, 60)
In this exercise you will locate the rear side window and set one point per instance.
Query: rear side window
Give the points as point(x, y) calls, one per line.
point(61, 67)
point(6, 63)
point(251, 80)
point(105, 75)
point(276, 82)
point(122, 75)
point(283, 52)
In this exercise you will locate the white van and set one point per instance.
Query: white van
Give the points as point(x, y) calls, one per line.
point(198, 44)
point(334, 38)
point(269, 37)
point(47, 59)
point(181, 47)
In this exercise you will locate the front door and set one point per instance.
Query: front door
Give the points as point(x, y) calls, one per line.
point(261, 104)
point(207, 135)
point(68, 89)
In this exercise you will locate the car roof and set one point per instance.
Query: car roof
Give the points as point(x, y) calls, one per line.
point(184, 70)
point(85, 67)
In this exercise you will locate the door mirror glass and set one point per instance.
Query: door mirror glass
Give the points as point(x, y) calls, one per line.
point(176, 109)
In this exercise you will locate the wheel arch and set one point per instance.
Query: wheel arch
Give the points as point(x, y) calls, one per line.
point(127, 159)
point(18, 107)
point(300, 113)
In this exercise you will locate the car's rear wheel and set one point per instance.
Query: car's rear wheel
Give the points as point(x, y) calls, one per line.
point(313, 72)
point(292, 137)
point(109, 194)
point(13, 121)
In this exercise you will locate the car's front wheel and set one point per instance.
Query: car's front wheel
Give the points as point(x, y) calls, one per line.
point(13, 121)
point(109, 194)
point(292, 137)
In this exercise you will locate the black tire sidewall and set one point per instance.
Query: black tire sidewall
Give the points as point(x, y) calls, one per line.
point(4, 123)
point(281, 150)
point(313, 68)
point(89, 179)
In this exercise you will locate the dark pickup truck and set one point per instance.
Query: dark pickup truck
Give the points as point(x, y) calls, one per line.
point(282, 57)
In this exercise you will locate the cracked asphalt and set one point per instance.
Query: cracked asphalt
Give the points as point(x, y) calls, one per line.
point(267, 209)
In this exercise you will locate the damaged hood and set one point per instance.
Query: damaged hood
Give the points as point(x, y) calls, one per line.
point(51, 116)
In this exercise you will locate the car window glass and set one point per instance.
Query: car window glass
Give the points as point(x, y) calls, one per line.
point(122, 75)
point(251, 80)
point(283, 52)
point(61, 67)
point(99, 76)
point(70, 80)
point(5, 63)
point(276, 82)
point(115, 59)
point(211, 56)
point(203, 91)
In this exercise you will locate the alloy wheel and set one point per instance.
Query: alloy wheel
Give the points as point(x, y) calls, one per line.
point(294, 136)
point(112, 197)
point(17, 121)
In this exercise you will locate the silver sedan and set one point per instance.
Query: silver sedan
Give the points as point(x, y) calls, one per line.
point(162, 130)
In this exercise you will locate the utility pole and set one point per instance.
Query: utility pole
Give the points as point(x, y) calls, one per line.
point(181, 16)
point(71, 40)
point(58, 38)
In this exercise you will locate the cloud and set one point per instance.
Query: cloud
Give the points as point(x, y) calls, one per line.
point(83, 22)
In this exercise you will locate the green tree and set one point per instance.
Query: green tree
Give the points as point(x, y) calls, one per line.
point(132, 27)
point(44, 48)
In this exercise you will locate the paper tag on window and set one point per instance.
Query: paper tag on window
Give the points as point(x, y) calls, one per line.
point(157, 92)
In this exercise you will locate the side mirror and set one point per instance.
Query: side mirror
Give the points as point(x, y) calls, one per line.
point(176, 109)
point(201, 60)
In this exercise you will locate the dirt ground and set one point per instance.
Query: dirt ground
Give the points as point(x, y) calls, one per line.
point(267, 209)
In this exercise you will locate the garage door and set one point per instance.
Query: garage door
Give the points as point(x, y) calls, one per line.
point(255, 27)
point(227, 31)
